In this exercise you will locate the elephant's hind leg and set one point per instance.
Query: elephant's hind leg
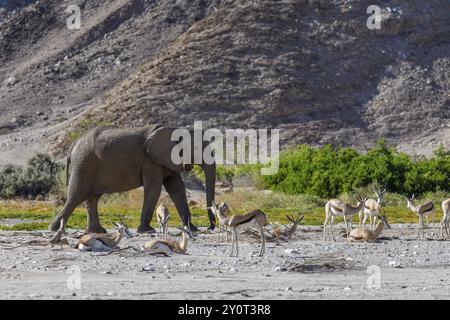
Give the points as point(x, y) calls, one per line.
point(63, 216)
point(93, 222)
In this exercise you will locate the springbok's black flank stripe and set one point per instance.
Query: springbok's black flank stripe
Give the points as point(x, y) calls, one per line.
point(336, 208)
point(245, 221)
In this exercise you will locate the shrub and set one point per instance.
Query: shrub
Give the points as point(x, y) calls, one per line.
point(39, 178)
point(10, 181)
point(328, 171)
point(331, 171)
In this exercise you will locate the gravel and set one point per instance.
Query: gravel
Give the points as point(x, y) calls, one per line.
point(403, 266)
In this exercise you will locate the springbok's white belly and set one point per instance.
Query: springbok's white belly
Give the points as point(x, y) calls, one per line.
point(251, 224)
point(427, 213)
point(161, 246)
point(94, 246)
point(156, 246)
point(371, 212)
point(336, 212)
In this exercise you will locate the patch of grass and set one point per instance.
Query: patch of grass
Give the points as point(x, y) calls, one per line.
point(278, 205)
point(396, 214)
point(29, 226)
point(4, 131)
point(275, 205)
point(23, 209)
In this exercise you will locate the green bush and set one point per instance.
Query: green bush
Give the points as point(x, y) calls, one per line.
point(229, 174)
point(10, 181)
point(39, 178)
point(329, 171)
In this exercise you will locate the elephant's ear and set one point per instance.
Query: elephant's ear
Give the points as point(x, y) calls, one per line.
point(158, 146)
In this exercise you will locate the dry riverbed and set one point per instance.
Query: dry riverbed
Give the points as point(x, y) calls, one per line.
point(397, 267)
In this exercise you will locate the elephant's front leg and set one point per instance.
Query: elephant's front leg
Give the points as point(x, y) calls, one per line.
point(174, 186)
point(93, 223)
point(152, 191)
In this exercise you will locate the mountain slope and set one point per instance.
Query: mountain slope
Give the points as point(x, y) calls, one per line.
point(48, 73)
point(311, 68)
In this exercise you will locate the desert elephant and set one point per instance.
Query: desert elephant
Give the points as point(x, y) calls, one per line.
point(110, 160)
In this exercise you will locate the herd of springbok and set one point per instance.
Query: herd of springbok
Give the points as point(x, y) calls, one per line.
point(366, 209)
point(371, 208)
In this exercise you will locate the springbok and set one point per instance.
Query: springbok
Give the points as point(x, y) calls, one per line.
point(166, 246)
point(423, 210)
point(255, 218)
point(104, 241)
point(337, 208)
point(295, 222)
point(223, 230)
point(162, 216)
point(445, 221)
point(363, 234)
point(372, 208)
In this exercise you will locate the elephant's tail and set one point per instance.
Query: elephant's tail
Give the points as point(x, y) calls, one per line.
point(67, 169)
point(68, 160)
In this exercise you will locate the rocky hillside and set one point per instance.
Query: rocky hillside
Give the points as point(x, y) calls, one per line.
point(311, 68)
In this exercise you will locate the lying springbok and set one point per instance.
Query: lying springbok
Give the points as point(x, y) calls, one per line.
point(337, 208)
point(167, 246)
point(295, 222)
point(363, 234)
point(104, 241)
point(162, 216)
point(372, 208)
point(423, 210)
point(445, 221)
point(255, 218)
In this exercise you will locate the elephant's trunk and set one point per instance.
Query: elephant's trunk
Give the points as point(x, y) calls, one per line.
point(210, 184)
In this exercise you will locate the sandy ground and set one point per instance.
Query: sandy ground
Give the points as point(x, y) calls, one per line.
point(397, 267)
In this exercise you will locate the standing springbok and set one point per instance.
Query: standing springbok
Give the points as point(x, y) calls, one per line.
point(255, 218)
point(223, 230)
point(162, 216)
point(372, 208)
point(445, 221)
point(423, 210)
point(337, 208)
point(363, 234)
point(104, 241)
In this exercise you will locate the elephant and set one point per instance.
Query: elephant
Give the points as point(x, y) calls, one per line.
point(110, 160)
